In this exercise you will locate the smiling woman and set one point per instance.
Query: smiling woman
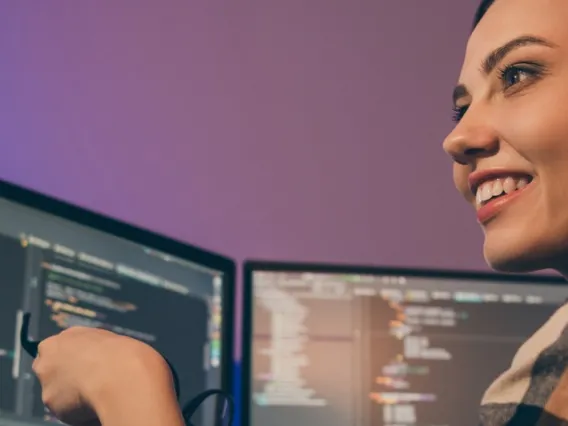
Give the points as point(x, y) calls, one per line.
point(510, 152)
point(511, 109)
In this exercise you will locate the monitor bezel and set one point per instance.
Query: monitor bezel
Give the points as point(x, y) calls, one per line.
point(62, 209)
point(251, 266)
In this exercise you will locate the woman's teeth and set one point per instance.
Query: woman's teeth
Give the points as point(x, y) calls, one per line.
point(497, 187)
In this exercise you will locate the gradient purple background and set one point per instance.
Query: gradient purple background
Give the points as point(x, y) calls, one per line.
point(282, 129)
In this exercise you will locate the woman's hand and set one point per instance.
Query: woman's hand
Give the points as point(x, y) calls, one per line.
point(90, 376)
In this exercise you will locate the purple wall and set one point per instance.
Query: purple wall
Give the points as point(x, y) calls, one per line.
point(280, 129)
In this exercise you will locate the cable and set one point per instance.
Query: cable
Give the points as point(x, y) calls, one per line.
point(224, 415)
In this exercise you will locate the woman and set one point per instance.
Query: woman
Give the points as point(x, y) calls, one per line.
point(510, 150)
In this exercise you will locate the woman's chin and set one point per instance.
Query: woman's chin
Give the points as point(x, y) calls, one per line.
point(511, 266)
point(514, 260)
point(528, 250)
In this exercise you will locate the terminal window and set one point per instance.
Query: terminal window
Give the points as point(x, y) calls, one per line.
point(333, 349)
point(66, 275)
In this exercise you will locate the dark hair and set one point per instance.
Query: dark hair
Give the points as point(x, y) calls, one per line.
point(481, 11)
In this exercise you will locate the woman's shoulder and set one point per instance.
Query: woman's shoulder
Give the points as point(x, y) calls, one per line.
point(535, 378)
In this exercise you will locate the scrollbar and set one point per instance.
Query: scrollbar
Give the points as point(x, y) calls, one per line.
point(206, 355)
point(17, 345)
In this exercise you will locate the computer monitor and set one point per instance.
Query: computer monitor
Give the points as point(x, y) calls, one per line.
point(68, 266)
point(338, 345)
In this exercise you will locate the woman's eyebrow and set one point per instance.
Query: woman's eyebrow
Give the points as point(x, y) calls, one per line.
point(497, 55)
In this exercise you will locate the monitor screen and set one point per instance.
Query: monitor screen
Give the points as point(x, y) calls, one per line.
point(68, 267)
point(340, 346)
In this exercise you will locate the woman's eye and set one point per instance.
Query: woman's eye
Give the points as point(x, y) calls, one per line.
point(458, 113)
point(511, 76)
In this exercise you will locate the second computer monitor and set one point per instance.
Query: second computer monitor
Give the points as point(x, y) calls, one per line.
point(334, 346)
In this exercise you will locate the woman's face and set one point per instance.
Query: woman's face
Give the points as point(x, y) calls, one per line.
point(510, 144)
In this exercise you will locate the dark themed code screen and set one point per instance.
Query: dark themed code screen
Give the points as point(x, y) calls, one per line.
point(361, 350)
point(65, 274)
